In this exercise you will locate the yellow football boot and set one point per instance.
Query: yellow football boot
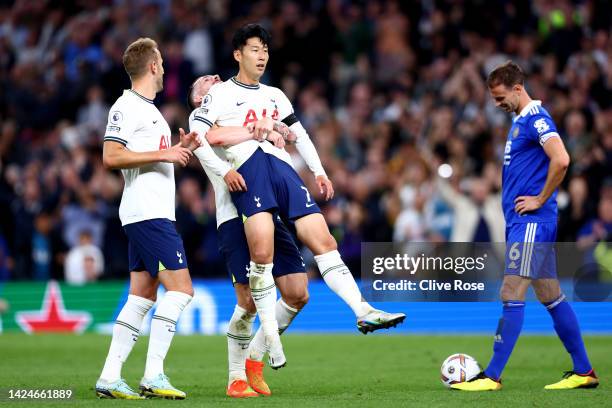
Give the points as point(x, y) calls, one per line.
point(160, 387)
point(479, 383)
point(571, 381)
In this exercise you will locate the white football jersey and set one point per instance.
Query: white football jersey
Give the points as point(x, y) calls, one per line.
point(149, 190)
point(215, 167)
point(232, 103)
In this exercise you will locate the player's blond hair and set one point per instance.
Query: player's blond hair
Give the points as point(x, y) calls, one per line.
point(138, 55)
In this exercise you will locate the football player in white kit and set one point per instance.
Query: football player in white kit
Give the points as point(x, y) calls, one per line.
point(289, 270)
point(138, 141)
point(273, 186)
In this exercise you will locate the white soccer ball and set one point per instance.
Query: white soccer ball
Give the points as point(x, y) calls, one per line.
point(459, 368)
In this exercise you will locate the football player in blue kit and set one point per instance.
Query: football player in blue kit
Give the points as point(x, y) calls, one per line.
point(535, 163)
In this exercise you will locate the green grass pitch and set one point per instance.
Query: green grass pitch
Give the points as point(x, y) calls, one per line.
point(323, 370)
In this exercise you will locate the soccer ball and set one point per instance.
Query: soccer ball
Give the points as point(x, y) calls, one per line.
point(459, 368)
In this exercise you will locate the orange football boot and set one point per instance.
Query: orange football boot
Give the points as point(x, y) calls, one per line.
point(254, 372)
point(240, 389)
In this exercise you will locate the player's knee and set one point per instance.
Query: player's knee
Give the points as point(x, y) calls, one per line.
point(245, 301)
point(297, 298)
point(262, 255)
point(326, 244)
point(509, 292)
point(547, 296)
point(152, 296)
point(302, 300)
point(149, 293)
point(248, 304)
point(186, 289)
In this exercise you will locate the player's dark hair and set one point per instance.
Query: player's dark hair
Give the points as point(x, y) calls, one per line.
point(249, 31)
point(507, 74)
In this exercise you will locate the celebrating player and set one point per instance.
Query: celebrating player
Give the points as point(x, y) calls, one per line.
point(288, 270)
point(273, 185)
point(535, 162)
point(137, 141)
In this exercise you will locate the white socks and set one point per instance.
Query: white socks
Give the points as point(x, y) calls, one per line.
point(263, 290)
point(339, 279)
point(238, 338)
point(284, 316)
point(125, 334)
point(163, 327)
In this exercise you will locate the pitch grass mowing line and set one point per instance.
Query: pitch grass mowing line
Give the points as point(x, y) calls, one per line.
point(323, 370)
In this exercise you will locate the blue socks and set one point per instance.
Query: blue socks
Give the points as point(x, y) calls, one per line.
point(566, 326)
point(507, 334)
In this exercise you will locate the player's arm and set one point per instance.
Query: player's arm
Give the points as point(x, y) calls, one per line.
point(228, 135)
point(305, 147)
point(121, 125)
point(116, 156)
point(209, 159)
point(233, 135)
point(307, 150)
point(559, 162)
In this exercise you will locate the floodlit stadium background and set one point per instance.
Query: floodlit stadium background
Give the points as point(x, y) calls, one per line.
point(387, 91)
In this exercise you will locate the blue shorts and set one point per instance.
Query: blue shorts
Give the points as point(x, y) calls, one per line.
point(235, 250)
point(154, 245)
point(530, 250)
point(272, 186)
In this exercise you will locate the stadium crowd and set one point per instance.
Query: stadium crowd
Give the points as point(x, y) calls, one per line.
point(388, 91)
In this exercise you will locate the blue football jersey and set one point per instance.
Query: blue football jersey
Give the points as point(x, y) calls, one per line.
point(526, 164)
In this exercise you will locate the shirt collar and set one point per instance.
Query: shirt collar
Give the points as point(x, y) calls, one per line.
point(139, 95)
point(242, 84)
point(528, 107)
point(526, 110)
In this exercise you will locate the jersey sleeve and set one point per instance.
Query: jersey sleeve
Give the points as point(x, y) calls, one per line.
point(207, 156)
point(303, 143)
point(121, 124)
point(208, 112)
point(542, 128)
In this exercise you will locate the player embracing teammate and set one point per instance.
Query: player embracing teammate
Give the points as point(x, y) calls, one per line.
point(265, 189)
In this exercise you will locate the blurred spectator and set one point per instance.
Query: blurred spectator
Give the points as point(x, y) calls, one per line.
point(381, 86)
point(84, 262)
point(5, 260)
point(479, 217)
point(599, 228)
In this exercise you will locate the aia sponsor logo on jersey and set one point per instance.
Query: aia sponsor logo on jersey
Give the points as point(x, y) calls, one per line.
point(251, 116)
point(164, 142)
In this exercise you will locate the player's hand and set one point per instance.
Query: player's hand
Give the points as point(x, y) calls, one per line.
point(525, 204)
point(263, 127)
point(234, 181)
point(325, 187)
point(176, 154)
point(277, 139)
point(190, 140)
